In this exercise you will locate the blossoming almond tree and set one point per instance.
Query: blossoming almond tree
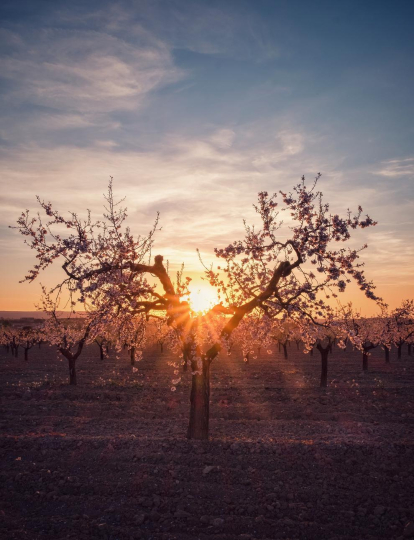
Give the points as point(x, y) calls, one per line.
point(102, 345)
point(253, 334)
point(28, 337)
point(385, 332)
point(160, 332)
point(132, 333)
point(9, 338)
point(261, 272)
point(282, 334)
point(365, 333)
point(322, 336)
point(402, 324)
point(69, 335)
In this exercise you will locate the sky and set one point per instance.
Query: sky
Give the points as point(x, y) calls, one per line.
point(194, 107)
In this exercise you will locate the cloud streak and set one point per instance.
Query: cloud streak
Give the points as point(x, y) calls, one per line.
point(84, 71)
point(395, 168)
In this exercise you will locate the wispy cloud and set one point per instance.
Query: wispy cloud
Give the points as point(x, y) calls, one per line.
point(84, 71)
point(199, 27)
point(394, 168)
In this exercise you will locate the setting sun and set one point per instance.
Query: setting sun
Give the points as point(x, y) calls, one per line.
point(202, 298)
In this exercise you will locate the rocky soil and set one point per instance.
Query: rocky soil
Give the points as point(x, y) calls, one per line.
point(109, 458)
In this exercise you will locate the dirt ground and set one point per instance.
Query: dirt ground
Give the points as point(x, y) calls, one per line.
point(109, 458)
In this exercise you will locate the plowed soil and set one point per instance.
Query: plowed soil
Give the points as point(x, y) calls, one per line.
point(109, 458)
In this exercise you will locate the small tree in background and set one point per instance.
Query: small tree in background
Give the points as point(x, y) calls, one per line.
point(385, 332)
point(132, 333)
point(365, 333)
point(253, 334)
point(102, 345)
point(160, 332)
point(9, 338)
point(68, 334)
point(402, 324)
point(282, 333)
point(28, 337)
point(322, 336)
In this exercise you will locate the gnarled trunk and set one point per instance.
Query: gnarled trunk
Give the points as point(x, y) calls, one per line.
point(365, 361)
point(387, 354)
point(200, 403)
point(185, 359)
point(72, 372)
point(324, 367)
point(285, 353)
point(26, 354)
point(324, 351)
point(101, 350)
point(399, 351)
point(132, 353)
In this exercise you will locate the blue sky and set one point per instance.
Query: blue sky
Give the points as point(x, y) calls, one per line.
point(194, 107)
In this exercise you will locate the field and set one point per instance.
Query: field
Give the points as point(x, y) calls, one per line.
point(109, 458)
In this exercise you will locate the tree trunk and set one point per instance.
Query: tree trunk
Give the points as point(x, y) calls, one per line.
point(200, 403)
point(409, 349)
point(399, 351)
point(185, 360)
point(72, 372)
point(324, 367)
point(132, 352)
point(285, 353)
point(101, 350)
point(387, 354)
point(26, 354)
point(162, 347)
point(365, 361)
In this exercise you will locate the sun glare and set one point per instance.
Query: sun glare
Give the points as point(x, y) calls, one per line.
point(202, 298)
